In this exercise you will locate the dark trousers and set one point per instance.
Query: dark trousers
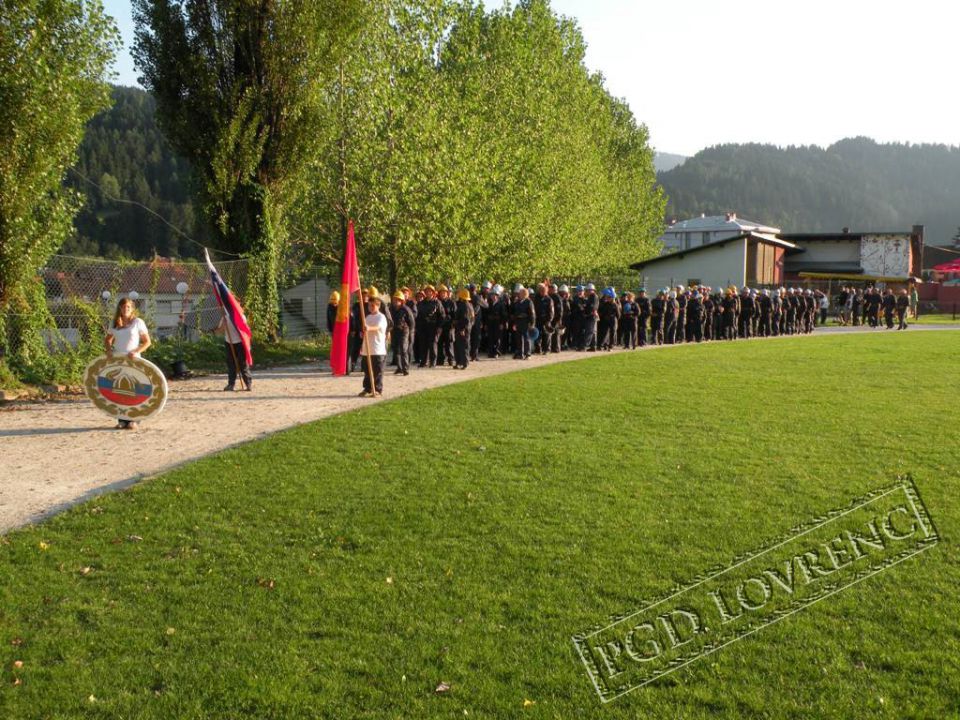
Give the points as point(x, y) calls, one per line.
point(494, 333)
point(589, 333)
point(401, 349)
point(544, 340)
point(461, 347)
point(475, 336)
point(445, 349)
point(629, 333)
point(356, 345)
point(521, 340)
point(888, 316)
point(765, 329)
point(377, 362)
point(241, 356)
point(695, 329)
point(669, 328)
point(642, 331)
point(901, 319)
point(427, 340)
point(656, 329)
point(556, 339)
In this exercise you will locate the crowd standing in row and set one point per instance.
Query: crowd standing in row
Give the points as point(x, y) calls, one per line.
point(434, 326)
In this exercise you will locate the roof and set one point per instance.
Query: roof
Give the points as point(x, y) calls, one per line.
point(807, 237)
point(758, 237)
point(934, 255)
point(713, 223)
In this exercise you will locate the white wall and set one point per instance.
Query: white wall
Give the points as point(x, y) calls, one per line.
point(830, 251)
point(716, 267)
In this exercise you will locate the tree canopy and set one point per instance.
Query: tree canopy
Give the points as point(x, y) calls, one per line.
point(54, 60)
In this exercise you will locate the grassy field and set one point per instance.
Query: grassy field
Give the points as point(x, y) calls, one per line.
point(346, 568)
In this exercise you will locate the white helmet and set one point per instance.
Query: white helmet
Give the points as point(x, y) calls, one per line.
point(518, 287)
point(672, 295)
point(564, 288)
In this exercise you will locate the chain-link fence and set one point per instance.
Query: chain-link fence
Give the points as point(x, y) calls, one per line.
point(173, 297)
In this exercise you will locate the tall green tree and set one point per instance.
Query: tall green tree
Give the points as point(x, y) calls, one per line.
point(54, 59)
point(240, 87)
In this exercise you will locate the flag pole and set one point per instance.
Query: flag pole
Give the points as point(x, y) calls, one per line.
point(226, 327)
point(226, 337)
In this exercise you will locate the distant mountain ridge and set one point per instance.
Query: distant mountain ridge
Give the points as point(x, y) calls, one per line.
point(856, 183)
point(662, 162)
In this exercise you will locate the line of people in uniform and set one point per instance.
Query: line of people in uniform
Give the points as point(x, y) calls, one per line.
point(434, 326)
point(863, 307)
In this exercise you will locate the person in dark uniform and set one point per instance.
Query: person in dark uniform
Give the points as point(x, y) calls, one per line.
point(776, 311)
point(903, 305)
point(670, 310)
point(747, 308)
point(643, 317)
point(629, 321)
point(445, 344)
point(591, 313)
point(411, 303)
point(695, 317)
point(765, 328)
point(680, 329)
point(728, 309)
point(545, 314)
point(889, 307)
point(557, 295)
point(495, 320)
point(657, 308)
point(462, 326)
point(856, 307)
point(607, 323)
point(790, 311)
point(332, 306)
point(708, 309)
point(357, 315)
point(874, 304)
point(403, 324)
point(430, 316)
point(523, 315)
point(575, 326)
point(478, 300)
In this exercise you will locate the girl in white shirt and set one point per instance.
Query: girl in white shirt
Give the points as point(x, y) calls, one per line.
point(128, 336)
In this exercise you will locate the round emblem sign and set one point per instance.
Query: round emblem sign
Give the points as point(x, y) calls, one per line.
point(126, 388)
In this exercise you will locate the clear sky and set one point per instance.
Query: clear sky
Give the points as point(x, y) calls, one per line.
point(704, 72)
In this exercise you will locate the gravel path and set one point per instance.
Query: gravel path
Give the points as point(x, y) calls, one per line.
point(55, 454)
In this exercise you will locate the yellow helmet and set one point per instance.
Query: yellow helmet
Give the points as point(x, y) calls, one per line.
point(430, 288)
point(443, 288)
point(463, 294)
point(372, 292)
point(334, 297)
point(398, 296)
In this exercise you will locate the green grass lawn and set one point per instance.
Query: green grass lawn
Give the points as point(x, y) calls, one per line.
point(937, 319)
point(346, 568)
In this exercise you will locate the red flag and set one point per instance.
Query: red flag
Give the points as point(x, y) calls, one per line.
point(349, 284)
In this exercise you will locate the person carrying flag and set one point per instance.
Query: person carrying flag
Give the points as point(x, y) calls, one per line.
point(235, 328)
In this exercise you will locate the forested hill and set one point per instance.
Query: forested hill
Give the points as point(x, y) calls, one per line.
point(124, 152)
point(855, 183)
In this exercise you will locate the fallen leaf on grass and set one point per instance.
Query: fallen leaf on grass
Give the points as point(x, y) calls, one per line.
point(44, 546)
point(529, 703)
point(171, 631)
point(389, 581)
point(18, 664)
point(86, 570)
point(17, 642)
point(134, 538)
point(266, 583)
point(17, 681)
point(442, 688)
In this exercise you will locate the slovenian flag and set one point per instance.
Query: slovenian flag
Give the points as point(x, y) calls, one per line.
point(349, 284)
point(231, 307)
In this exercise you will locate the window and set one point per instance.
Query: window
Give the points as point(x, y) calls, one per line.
point(704, 238)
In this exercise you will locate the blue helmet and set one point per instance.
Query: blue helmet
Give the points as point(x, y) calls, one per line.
point(579, 288)
point(608, 292)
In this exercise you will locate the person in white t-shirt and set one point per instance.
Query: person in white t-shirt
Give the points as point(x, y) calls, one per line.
point(128, 336)
point(376, 348)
